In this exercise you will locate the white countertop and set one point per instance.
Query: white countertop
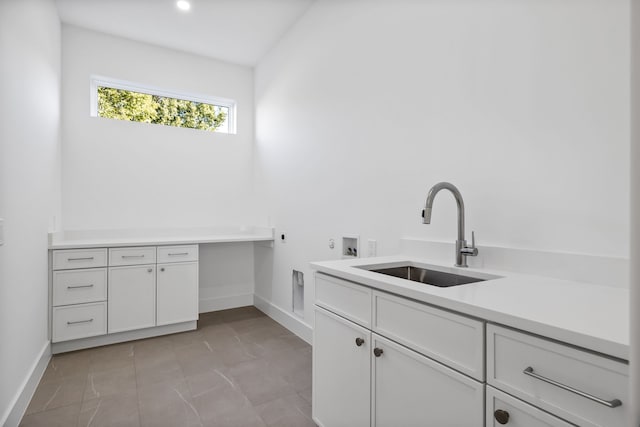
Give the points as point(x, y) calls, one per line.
point(140, 237)
point(591, 316)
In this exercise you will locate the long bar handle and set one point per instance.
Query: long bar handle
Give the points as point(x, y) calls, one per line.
point(80, 286)
point(133, 256)
point(89, 258)
point(80, 321)
point(179, 253)
point(608, 403)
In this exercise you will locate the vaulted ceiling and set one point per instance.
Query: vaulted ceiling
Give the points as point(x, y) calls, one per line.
point(237, 31)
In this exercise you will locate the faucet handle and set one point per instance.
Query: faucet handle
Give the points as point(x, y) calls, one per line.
point(470, 250)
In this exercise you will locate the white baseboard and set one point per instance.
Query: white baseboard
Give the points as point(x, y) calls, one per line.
point(206, 305)
point(20, 402)
point(286, 319)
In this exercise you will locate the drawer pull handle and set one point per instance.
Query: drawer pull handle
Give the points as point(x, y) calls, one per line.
point(80, 286)
point(179, 253)
point(133, 256)
point(377, 352)
point(501, 416)
point(608, 403)
point(359, 341)
point(80, 321)
point(87, 258)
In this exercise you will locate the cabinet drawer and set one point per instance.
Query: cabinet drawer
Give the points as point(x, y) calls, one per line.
point(79, 321)
point(503, 409)
point(177, 253)
point(79, 286)
point(515, 359)
point(452, 339)
point(132, 256)
point(79, 258)
point(346, 299)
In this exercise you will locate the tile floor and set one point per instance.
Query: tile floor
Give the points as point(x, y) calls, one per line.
point(239, 368)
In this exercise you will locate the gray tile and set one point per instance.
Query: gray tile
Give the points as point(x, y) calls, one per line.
point(64, 416)
point(307, 394)
point(57, 393)
point(118, 410)
point(219, 402)
point(289, 411)
point(215, 333)
point(198, 358)
point(110, 357)
point(167, 404)
point(186, 338)
point(258, 382)
point(209, 381)
point(152, 347)
point(246, 418)
point(106, 383)
point(296, 342)
point(294, 366)
point(233, 351)
point(240, 368)
point(158, 367)
point(66, 365)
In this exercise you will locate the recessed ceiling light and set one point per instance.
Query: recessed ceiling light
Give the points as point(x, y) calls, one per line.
point(183, 5)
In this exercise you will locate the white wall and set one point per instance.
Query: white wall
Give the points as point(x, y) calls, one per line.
point(523, 105)
point(29, 184)
point(635, 217)
point(119, 174)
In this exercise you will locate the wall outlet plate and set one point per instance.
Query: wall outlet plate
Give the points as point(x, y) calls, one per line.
point(372, 247)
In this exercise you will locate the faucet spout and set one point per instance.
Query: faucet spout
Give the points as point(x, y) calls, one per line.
point(461, 244)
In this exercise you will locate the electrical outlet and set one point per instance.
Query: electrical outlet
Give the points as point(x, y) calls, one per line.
point(372, 247)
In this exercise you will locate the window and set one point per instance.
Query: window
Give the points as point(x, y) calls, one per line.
point(125, 101)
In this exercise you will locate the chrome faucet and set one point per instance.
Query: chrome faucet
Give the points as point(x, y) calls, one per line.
point(462, 250)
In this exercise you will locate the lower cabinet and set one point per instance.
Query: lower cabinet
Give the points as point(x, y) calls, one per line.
point(409, 389)
point(363, 379)
point(385, 361)
point(341, 372)
point(107, 291)
point(177, 293)
point(132, 298)
point(503, 409)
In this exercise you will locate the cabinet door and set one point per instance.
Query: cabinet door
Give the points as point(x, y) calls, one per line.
point(411, 390)
point(132, 298)
point(503, 409)
point(341, 372)
point(177, 292)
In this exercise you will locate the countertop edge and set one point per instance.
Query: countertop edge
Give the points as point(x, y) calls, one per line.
point(182, 240)
point(340, 269)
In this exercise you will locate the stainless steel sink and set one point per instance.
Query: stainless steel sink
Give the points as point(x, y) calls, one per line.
point(427, 276)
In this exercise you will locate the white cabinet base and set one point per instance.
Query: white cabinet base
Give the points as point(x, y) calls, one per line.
point(63, 347)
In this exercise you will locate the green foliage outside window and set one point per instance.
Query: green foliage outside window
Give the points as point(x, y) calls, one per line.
point(141, 107)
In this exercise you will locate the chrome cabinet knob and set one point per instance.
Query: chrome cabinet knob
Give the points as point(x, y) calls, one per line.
point(359, 341)
point(149, 270)
point(162, 269)
point(377, 352)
